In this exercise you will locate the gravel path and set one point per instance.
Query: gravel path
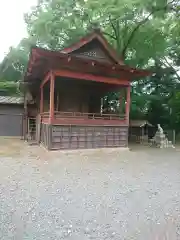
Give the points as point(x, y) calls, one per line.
point(90, 194)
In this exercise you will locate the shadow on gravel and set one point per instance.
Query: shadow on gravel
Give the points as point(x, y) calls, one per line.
point(10, 146)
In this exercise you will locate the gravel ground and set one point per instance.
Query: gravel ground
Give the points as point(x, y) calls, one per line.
point(97, 194)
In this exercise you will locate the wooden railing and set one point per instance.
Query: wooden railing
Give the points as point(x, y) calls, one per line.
point(82, 115)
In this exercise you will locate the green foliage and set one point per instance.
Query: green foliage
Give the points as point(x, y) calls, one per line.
point(15, 62)
point(58, 23)
point(9, 89)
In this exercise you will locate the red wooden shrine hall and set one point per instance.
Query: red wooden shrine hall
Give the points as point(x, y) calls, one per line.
point(70, 89)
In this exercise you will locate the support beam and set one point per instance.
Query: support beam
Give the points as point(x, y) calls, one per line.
point(121, 100)
point(102, 104)
point(25, 118)
point(47, 77)
point(41, 100)
point(57, 102)
point(128, 103)
point(91, 77)
point(52, 83)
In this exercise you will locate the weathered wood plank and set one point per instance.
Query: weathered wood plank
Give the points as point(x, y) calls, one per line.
point(77, 137)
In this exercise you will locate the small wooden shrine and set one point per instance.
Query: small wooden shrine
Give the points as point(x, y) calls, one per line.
point(140, 131)
point(68, 88)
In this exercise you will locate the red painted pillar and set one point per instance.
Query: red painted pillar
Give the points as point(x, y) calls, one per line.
point(128, 103)
point(41, 100)
point(52, 83)
point(121, 102)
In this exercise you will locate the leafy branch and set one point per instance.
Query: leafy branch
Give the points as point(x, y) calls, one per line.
point(166, 62)
point(139, 24)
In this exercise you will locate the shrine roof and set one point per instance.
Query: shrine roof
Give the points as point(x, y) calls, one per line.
point(11, 100)
point(139, 123)
point(99, 37)
point(42, 60)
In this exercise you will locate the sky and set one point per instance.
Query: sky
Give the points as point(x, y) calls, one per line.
point(12, 26)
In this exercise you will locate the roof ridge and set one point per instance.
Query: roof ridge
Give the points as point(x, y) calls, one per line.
point(11, 100)
point(97, 33)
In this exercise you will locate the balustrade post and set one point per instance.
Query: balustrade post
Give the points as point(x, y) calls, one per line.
point(52, 82)
point(128, 102)
point(121, 98)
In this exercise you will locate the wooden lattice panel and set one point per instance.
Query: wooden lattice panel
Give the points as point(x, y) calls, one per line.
point(79, 137)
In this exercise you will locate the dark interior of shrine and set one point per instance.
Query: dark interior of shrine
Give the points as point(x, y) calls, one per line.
point(74, 95)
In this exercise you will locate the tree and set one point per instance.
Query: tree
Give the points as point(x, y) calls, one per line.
point(133, 27)
point(14, 64)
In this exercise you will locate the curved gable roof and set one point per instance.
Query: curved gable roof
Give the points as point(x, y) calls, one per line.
point(98, 36)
